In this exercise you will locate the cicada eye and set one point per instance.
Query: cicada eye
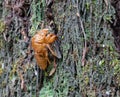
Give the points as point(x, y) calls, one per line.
point(51, 35)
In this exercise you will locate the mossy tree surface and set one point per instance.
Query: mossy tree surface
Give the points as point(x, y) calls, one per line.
point(89, 66)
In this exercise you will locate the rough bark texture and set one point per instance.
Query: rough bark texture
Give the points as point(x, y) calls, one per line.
point(116, 24)
point(88, 65)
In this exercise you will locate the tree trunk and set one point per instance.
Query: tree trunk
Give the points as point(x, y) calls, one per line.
point(87, 64)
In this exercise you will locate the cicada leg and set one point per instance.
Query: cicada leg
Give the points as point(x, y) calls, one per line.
point(46, 57)
point(53, 53)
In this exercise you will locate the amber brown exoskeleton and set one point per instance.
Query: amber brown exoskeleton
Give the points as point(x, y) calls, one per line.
point(41, 44)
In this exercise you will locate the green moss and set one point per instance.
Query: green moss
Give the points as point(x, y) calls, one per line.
point(2, 26)
point(38, 15)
